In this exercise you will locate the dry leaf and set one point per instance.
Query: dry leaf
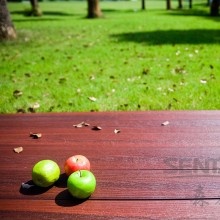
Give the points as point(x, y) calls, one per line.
point(177, 53)
point(35, 135)
point(145, 71)
point(35, 105)
point(18, 149)
point(32, 110)
point(78, 125)
point(27, 74)
point(86, 124)
point(212, 76)
point(92, 77)
point(116, 131)
point(96, 128)
point(81, 124)
point(203, 81)
point(17, 93)
point(62, 80)
point(170, 90)
point(165, 123)
point(20, 110)
point(93, 99)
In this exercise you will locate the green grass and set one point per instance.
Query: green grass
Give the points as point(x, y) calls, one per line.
point(129, 60)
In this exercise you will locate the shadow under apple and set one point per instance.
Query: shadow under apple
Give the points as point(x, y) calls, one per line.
point(29, 188)
point(65, 199)
point(62, 181)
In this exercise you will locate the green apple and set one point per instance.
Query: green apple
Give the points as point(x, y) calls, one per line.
point(45, 173)
point(81, 184)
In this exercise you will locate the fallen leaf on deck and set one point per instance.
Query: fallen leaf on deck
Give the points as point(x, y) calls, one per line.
point(93, 99)
point(165, 123)
point(35, 135)
point(86, 124)
point(18, 149)
point(81, 124)
point(116, 131)
point(96, 128)
point(78, 125)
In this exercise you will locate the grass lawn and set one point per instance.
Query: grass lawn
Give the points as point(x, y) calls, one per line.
point(129, 60)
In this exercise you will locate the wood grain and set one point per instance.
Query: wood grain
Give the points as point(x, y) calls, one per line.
point(147, 171)
point(42, 209)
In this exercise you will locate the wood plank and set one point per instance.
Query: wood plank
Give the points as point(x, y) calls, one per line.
point(111, 159)
point(149, 119)
point(144, 146)
point(123, 184)
point(58, 209)
point(117, 155)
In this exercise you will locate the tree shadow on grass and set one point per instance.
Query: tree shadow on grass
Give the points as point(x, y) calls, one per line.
point(36, 19)
point(27, 13)
point(194, 13)
point(47, 13)
point(160, 37)
point(45, 17)
point(105, 10)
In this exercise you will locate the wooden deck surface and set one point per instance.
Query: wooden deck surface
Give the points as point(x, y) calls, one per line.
point(147, 171)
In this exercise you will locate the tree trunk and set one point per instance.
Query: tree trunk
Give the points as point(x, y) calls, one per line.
point(180, 4)
point(35, 10)
point(143, 4)
point(7, 30)
point(190, 3)
point(94, 10)
point(168, 4)
point(208, 2)
point(215, 7)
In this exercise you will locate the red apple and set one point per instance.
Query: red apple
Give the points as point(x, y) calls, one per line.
point(75, 163)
